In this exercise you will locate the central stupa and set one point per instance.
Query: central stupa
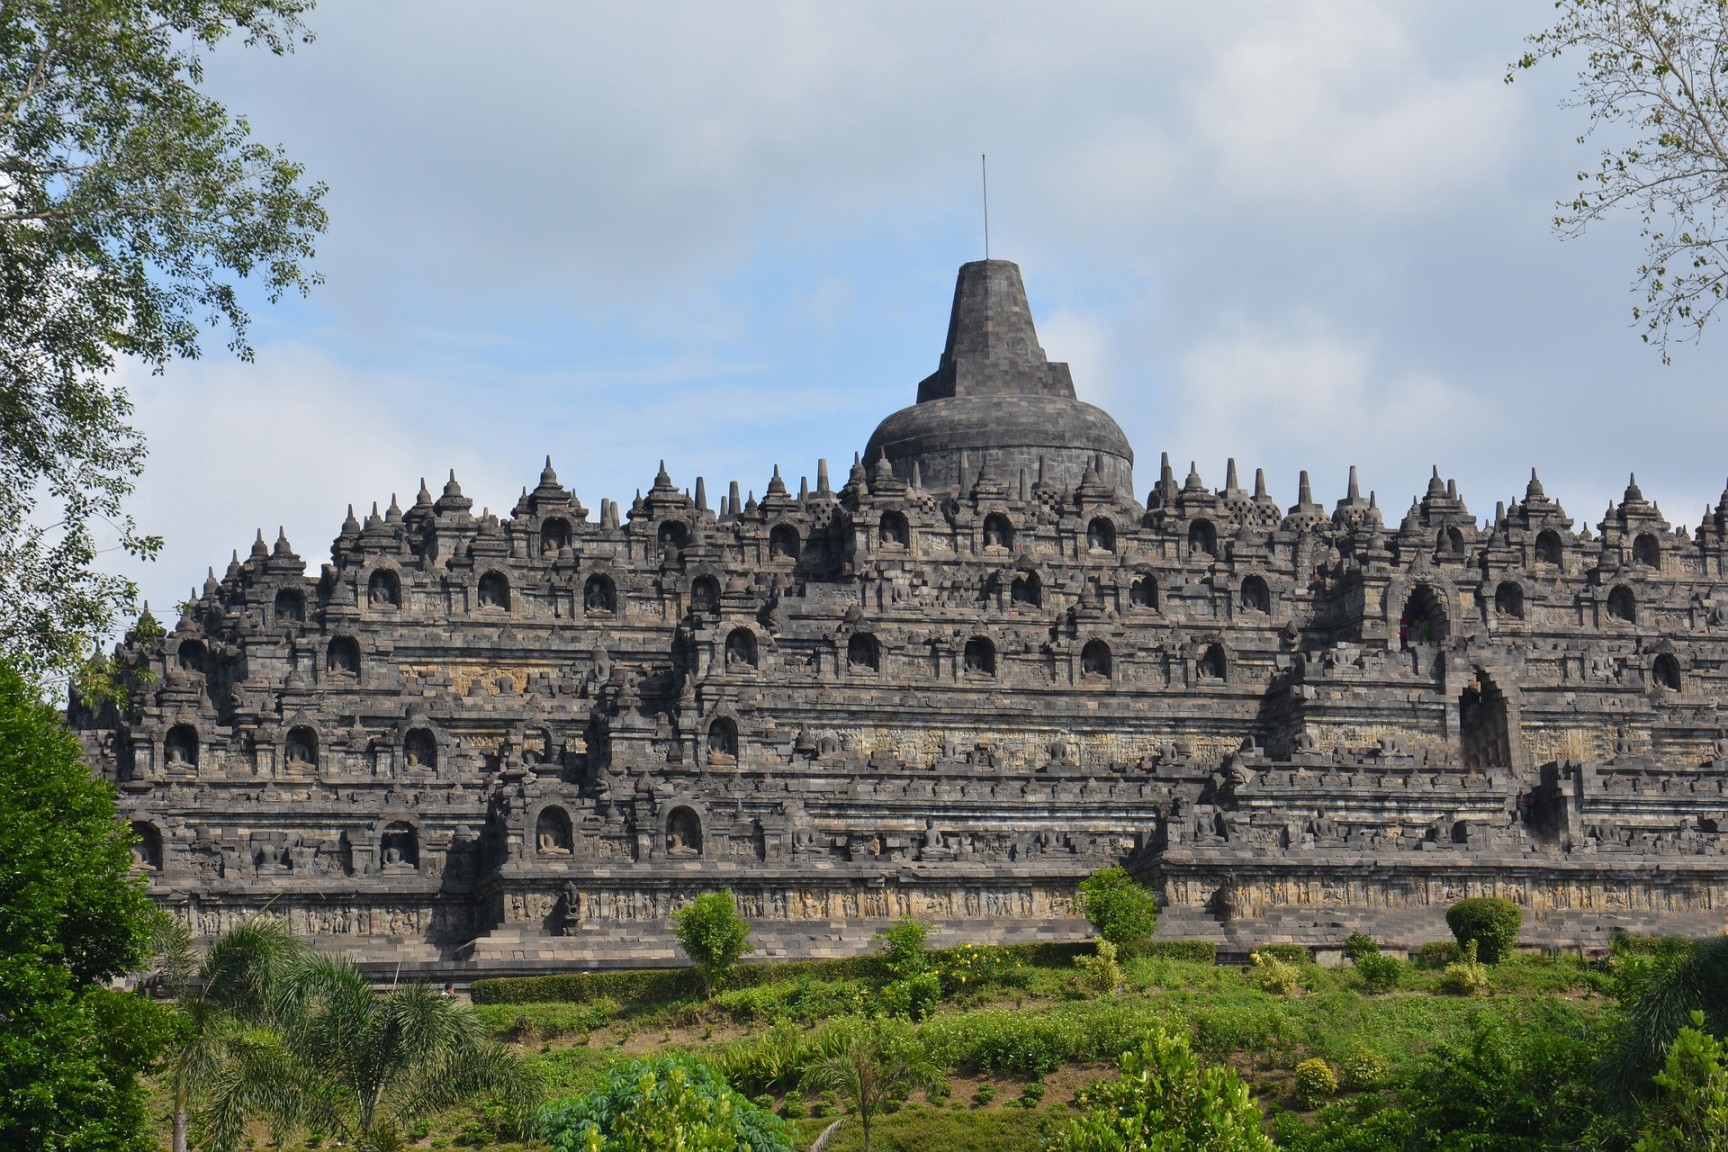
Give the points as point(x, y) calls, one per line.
point(996, 403)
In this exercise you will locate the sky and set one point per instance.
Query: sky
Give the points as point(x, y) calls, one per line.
point(1303, 235)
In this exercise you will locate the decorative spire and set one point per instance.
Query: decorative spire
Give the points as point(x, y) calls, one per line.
point(1633, 494)
point(1533, 490)
point(701, 494)
point(1436, 486)
point(1230, 484)
point(992, 347)
point(1193, 483)
point(822, 488)
point(1354, 493)
point(1304, 493)
point(1260, 492)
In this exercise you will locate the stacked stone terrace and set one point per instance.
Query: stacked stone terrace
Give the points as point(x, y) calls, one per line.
point(506, 742)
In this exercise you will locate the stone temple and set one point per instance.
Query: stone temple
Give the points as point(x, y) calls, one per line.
point(953, 686)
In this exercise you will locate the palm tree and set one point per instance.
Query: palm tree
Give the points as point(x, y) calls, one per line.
point(225, 999)
point(871, 1062)
point(371, 1063)
point(1658, 996)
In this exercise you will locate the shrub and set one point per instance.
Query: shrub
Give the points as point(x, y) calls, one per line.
point(1467, 976)
point(1490, 921)
point(1692, 1110)
point(1192, 951)
point(1363, 1071)
point(713, 935)
point(980, 966)
point(1032, 1094)
point(1358, 945)
point(1102, 972)
point(1289, 953)
point(1314, 1082)
point(1436, 954)
point(1164, 1099)
point(903, 951)
point(1120, 908)
point(674, 1102)
point(986, 1092)
point(1275, 975)
point(1379, 973)
point(914, 997)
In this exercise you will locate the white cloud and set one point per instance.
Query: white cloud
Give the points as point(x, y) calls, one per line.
point(1333, 101)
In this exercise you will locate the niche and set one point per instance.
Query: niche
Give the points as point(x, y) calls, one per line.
point(674, 534)
point(683, 833)
point(1143, 592)
point(553, 834)
point(1027, 590)
point(863, 653)
point(1666, 672)
point(192, 655)
point(1549, 550)
point(400, 847)
point(146, 846)
point(598, 596)
point(1483, 725)
point(494, 591)
point(1646, 551)
point(1095, 661)
point(980, 657)
point(384, 590)
point(1423, 622)
point(1100, 535)
point(1509, 601)
point(894, 532)
point(1202, 538)
point(783, 543)
point(705, 595)
point(1256, 597)
point(741, 648)
point(1212, 663)
point(1622, 605)
point(554, 536)
point(420, 750)
point(723, 741)
point(301, 747)
point(998, 532)
point(180, 748)
point(290, 606)
point(343, 656)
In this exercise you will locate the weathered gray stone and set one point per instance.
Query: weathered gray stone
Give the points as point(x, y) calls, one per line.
point(977, 671)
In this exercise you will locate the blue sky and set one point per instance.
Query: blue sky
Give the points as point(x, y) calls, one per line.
point(1305, 235)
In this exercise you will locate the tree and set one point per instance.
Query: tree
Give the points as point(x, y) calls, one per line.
point(226, 1000)
point(360, 1063)
point(131, 205)
point(73, 915)
point(713, 935)
point(1121, 910)
point(872, 1062)
point(1165, 1101)
point(1658, 996)
point(1653, 70)
point(676, 1102)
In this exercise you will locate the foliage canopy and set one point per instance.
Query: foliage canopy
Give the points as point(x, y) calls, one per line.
point(1121, 909)
point(131, 205)
point(713, 935)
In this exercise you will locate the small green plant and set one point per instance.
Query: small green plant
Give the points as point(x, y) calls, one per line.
point(1379, 973)
point(1032, 1094)
point(1120, 908)
point(1490, 921)
point(713, 935)
point(985, 1093)
point(914, 997)
point(1314, 1082)
point(980, 966)
point(1467, 976)
point(1692, 1111)
point(793, 1107)
point(1102, 972)
point(1275, 975)
point(1358, 945)
point(903, 949)
point(1363, 1071)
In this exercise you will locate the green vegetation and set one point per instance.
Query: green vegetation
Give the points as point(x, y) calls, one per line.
point(713, 935)
point(873, 1063)
point(73, 915)
point(1165, 1100)
point(647, 1106)
point(1121, 909)
point(1488, 921)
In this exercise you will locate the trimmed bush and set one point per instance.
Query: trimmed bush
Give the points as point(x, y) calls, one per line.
point(1363, 1071)
point(1490, 921)
point(1314, 1082)
point(1379, 973)
point(1121, 909)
